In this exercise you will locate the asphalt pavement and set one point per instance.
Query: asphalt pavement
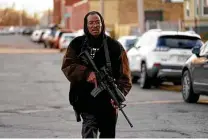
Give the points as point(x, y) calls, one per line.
point(34, 101)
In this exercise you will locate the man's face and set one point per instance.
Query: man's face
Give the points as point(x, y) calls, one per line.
point(94, 25)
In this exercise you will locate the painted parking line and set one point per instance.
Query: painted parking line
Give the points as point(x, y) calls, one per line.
point(156, 102)
point(171, 88)
point(203, 101)
point(27, 51)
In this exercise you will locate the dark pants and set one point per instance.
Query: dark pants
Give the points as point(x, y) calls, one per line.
point(104, 122)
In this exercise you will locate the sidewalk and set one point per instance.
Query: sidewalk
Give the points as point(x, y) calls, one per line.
point(4, 50)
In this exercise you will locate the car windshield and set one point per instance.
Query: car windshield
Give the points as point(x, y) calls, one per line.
point(179, 41)
point(130, 42)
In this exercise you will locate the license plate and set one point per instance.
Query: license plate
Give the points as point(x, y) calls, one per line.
point(182, 58)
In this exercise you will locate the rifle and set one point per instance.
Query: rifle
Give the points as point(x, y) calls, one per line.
point(105, 82)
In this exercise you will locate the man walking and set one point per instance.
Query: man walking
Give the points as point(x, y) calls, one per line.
point(98, 113)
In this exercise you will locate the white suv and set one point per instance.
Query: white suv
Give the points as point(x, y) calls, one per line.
point(160, 55)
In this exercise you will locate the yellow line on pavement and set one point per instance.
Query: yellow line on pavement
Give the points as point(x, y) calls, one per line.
point(156, 102)
point(23, 51)
point(171, 88)
point(164, 102)
point(203, 101)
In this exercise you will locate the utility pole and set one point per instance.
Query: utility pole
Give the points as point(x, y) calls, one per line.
point(140, 11)
point(49, 16)
point(102, 7)
point(195, 18)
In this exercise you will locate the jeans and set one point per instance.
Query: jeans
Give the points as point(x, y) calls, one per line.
point(104, 122)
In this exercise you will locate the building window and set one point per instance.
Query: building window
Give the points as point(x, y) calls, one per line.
point(205, 7)
point(187, 8)
point(197, 7)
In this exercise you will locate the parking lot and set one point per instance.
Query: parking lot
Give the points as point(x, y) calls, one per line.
point(34, 100)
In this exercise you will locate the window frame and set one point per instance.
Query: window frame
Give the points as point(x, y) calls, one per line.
point(202, 7)
point(197, 7)
point(187, 9)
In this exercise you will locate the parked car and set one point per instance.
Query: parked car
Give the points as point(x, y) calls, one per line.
point(45, 37)
point(56, 39)
point(65, 40)
point(7, 31)
point(53, 36)
point(81, 32)
point(27, 31)
point(37, 35)
point(48, 38)
point(194, 75)
point(159, 56)
point(128, 41)
point(4, 31)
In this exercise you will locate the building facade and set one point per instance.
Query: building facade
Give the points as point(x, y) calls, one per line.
point(125, 12)
point(120, 12)
point(196, 16)
point(70, 13)
point(59, 8)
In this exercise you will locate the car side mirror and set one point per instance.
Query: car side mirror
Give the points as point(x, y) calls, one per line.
point(196, 50)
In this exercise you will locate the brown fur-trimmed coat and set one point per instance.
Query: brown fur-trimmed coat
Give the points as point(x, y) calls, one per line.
point(77, 73)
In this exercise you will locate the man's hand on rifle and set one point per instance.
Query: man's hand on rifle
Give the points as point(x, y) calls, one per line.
point(92, 79)
point(113, 104)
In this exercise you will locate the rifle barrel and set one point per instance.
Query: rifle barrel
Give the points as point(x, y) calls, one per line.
point(124, 114)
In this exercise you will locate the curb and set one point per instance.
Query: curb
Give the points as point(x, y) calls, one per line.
point(27, 51)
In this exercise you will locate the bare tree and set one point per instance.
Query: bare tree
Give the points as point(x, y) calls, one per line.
point(10, 17)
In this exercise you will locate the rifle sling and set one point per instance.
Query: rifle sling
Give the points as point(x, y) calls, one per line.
point(106, 51)
point(107, 57)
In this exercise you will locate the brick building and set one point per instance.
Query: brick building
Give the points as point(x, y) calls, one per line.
point(56, 11)
point(58, 7)
point(125, 11)
point(121, 12)
point(70, 13)
point(196, 16)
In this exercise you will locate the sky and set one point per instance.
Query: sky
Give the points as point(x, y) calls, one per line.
point(30, 6)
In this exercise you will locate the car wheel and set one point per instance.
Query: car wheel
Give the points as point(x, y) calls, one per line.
point(187, 89)
point(45, 44)
point(156, 82)
point(134, 79)
point(144, 80)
